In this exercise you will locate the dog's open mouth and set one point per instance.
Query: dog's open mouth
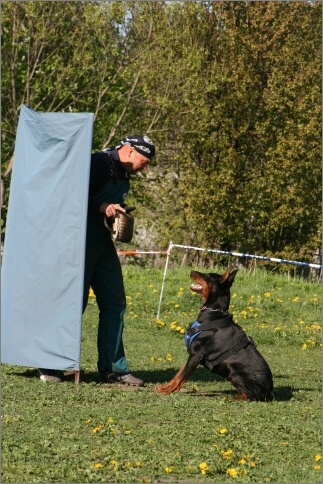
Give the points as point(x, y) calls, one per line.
point(196, 288)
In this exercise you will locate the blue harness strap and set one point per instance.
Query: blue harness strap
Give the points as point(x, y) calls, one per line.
point(189, 338)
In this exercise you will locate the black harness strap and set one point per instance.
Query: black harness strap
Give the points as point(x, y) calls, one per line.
point(241, 343)
point(210, 325)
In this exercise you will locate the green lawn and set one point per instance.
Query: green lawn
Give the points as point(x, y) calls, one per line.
point(92, 432)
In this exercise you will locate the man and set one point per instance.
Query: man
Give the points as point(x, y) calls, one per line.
point(109, 185)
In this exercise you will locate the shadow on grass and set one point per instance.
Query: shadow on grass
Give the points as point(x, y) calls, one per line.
point(282, 393)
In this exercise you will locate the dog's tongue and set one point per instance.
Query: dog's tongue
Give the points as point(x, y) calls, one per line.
point(196, 287)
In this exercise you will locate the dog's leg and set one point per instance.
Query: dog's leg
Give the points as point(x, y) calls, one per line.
point(181, 376)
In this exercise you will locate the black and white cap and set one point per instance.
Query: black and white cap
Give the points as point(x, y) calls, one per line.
point(142, 144)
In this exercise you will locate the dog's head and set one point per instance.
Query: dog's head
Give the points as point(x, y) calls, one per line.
point(214, 288)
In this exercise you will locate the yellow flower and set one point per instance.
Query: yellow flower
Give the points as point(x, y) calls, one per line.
point(169, 357)
point(244, 314)
point(91, 293)
point(89, 420)
point(317, 457)
point(222, 431)
point(296, 299)
point(182, 331)
point(267, 294)
point(138, 463)
point(252, 464)
point(227, 454)
point(169, 469)
point(176, 305)
point(204, 467)
point(114, 464)
point(110, 420)
point(232, 472)
point(98, 465)
point(178, 328)
point(97, 429)
point(242, 461)
point(304, 346)
point(317, 467)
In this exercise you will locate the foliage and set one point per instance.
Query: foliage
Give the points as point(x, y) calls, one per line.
point(229, 92)
point(94, 432)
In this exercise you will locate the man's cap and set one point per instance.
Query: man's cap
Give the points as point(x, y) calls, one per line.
point(142, 144)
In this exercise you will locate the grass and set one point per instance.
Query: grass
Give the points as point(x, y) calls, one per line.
point(94, 432)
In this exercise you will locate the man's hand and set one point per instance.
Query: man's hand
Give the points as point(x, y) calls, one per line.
point(111, 209)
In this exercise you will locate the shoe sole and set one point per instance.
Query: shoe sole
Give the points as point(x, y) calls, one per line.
point(110, 382)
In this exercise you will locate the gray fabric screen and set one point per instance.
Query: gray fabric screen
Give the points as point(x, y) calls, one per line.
point(43, 259)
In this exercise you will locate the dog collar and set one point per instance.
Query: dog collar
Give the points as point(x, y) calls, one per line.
point(202, 308)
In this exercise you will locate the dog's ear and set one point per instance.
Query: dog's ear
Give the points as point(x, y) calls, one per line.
point(228, 277)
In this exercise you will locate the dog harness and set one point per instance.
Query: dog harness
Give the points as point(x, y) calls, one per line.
point(196, 328)
point(189, 337)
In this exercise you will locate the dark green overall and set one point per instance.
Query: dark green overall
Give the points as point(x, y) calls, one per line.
point(103, 274)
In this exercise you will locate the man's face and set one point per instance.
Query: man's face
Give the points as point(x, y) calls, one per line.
point(137, 162)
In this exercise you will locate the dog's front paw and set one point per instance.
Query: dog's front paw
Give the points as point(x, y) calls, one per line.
point(163, 389)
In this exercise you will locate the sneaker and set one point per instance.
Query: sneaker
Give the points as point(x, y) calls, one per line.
point(124, 378)
point(48, 375)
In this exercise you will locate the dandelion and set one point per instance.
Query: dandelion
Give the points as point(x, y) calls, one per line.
point(114, 464)
point(244, 313)
point(110, 420)
point(91, 293)
point(176, 305)
point(98, 465)
point(317, 467)
point(304, 346)
point(89, 420)
point(138, 463)
point(227, 454)
point(223, 431)
point(267, 294)
point(232, 472)
point(279, 300)
point(317, 457)
point(253, 464)
point(242, 461)
point(152, 358)
point(169, 469)
point(204, 467)
point(178, 328)
point(296, 299)
point(169, 357)
point(97, 429)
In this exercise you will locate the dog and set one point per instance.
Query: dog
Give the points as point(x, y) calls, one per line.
point(215, 341)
